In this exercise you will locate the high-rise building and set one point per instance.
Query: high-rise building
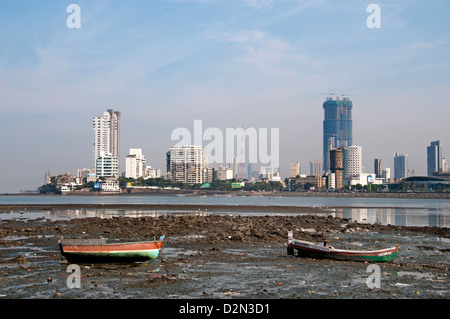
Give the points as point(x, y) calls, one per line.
point(337, 126)
point(352, 161)
point(107, 166)
point(400, 166)
point(444, 165)
point(135, 164)
point(107, 134)
point(316, 168)
point(434, 158)
point(378, 167)
point(294, 169)
point(337, 167)
point(386, 174)
point(186, 164)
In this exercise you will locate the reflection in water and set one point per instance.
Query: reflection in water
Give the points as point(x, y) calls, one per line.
point(383, 216)
point(110, 213)
point(395, 216)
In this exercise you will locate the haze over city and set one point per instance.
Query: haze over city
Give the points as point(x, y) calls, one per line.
point(262, 64)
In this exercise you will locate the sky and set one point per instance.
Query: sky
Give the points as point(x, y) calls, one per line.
point(230, 63)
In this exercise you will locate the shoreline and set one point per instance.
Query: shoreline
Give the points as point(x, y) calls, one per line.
point(196, 207)
point(400, 195)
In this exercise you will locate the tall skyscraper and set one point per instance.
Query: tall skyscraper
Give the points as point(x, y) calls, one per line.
point(434, 158)
point(107, 135)
point(352, 161)
point(186, 164)
point(378, 168)
point(400, 166)
point(337, 126)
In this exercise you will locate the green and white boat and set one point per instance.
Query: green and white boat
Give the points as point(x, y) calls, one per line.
point(321, 250)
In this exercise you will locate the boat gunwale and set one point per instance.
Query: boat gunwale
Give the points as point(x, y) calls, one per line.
point(331, 250)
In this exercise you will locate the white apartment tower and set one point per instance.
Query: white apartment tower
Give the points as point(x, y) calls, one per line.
point(186, 164)
point(107, 135)
point(135, 164)
point(352, 161)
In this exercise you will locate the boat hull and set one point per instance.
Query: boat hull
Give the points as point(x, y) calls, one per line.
point(124, 252)
point(305, 249)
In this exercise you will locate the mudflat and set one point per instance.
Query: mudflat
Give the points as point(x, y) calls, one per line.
point(223, 256)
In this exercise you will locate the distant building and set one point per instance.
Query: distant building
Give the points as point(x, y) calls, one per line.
point(378, 167)
point(48, 176)
point(223, 173)
point(135, 164)
point(316, 168)
point(352, 161)
point(434, 158)
point(294, 169)
point(107, 135)
point(386, 174)
point(84, 173)
point(269, 174)
point(107, 165)
point(186, 164)
point(444, 165)
point(337, 126)
point(364, 179)
point(151, 172)
point(337, 167)
point(400, 166)
point(316, 182)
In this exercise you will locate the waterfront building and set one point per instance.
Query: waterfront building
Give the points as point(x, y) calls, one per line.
point(352, 161)
point(316, 168)
point(107, 165)
point(186, 164)
point(337, 126)
point(107, 134)
point(294, 169)
point(83, 173)
point(378, 168)
point(135, 164)
point(337, 167)
point(444, 165)
point(48, 176)
point(434, 158)
point(269, 173)
point(314, 182)
point(400, 166)
point(151, 172)
point(223, 173)
point(386, 174)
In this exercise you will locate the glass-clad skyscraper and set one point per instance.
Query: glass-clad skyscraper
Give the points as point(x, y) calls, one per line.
point(337, 126)
point(434, 158)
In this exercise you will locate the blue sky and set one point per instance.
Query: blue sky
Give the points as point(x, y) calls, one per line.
point(256, 63)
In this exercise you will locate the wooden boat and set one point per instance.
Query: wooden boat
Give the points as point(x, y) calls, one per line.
point(99, 250)
point(321, 250)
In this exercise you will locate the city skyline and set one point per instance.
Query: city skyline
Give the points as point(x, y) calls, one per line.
point(164, 64)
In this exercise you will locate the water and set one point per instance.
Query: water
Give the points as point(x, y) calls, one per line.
point(393, 211)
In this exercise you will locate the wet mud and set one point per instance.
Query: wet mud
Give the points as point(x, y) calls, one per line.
point(223, 257)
